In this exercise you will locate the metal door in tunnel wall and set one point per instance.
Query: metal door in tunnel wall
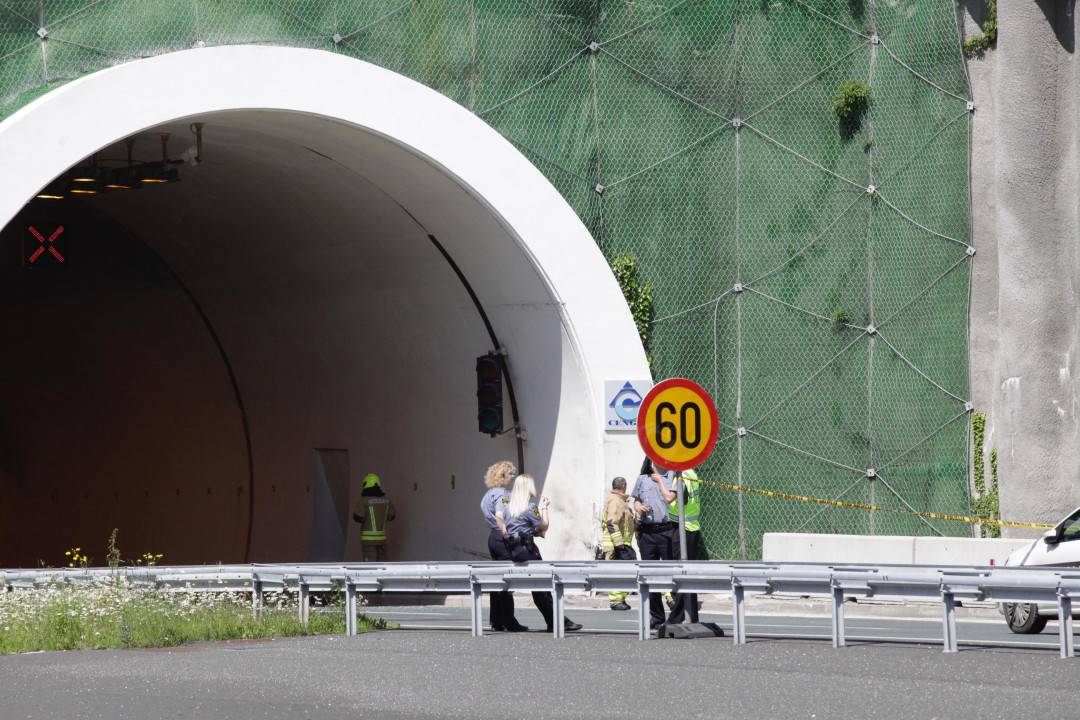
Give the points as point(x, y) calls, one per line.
point(330, 505)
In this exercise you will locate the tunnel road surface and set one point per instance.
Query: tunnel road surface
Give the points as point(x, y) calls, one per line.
point(392, 675)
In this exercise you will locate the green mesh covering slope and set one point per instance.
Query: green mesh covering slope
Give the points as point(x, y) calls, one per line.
point(830, 322)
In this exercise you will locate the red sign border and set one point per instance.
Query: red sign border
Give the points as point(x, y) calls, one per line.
point(643, 411)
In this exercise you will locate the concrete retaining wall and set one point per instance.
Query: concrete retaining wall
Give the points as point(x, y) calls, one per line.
point(1025, 325)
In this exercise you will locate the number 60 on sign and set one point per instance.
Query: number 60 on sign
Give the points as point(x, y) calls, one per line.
point(677, 424)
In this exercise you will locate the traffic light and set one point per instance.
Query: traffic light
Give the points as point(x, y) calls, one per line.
point(489, 414)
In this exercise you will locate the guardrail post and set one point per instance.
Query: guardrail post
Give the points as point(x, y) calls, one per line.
point(838, 639)
point(1065, 625)
point(948, 621)
point(256, 596)
point(350, 607)
point(738, 613)
point(477, 609)
point(558, 631)
point(644, 616)
point(303, 601)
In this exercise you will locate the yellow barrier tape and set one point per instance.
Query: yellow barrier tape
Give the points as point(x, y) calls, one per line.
point(864, 506)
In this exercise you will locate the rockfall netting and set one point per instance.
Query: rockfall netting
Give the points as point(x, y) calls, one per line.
point(810, 270)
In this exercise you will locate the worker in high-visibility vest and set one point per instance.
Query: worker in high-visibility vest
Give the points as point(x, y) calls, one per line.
point(617, 532)
point(373, 510)
point(687, 604)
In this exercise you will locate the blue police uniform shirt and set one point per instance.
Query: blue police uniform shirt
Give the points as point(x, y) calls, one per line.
point(493, 499)
point(656, 507)
point(525, 523)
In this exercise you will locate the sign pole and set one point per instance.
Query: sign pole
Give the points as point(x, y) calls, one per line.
point(679, 486)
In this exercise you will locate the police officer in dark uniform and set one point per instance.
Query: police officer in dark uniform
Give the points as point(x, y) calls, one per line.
point(498, 479)
point(658, 536)
point(526, 519)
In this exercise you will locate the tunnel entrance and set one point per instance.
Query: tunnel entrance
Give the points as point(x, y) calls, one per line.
point(211, 365)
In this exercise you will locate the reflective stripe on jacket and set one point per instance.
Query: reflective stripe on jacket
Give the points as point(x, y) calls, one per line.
point(373, 513)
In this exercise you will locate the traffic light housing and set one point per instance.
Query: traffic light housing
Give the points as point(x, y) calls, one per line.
point(489, 399)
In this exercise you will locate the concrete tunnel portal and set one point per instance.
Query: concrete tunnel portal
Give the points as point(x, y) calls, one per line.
point(218, 361)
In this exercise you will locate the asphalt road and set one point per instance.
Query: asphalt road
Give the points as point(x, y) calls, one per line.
point(992, 632)
point(604, 673)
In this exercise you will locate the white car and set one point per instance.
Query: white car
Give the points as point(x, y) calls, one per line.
point(1059, 547)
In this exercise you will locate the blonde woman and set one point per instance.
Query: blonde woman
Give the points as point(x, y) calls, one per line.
point(525, 519)
point(497, 479)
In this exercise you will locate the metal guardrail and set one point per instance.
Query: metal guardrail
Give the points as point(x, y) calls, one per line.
point(838, 582)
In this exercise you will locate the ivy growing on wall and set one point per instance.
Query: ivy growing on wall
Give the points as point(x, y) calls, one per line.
point(980, 42)
point(985, 504)
point(638, 294)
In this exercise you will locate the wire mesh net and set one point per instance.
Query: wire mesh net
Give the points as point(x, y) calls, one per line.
point(828, 319)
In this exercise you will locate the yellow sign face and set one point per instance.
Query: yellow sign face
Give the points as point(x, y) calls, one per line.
point(677, 424)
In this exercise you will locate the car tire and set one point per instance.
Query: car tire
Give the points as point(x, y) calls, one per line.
point(1024, 618)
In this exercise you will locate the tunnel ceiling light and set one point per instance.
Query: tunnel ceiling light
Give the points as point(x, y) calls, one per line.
point(90, 176)
point(123, 178)
point(158, 173)
point(53, 192)
point(161, 171)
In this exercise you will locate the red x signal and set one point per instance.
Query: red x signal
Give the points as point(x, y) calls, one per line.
point(45, 244)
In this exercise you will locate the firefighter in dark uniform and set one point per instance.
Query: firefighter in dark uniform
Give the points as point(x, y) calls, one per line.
point(373, 510)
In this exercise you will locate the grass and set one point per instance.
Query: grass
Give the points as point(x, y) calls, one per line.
point(115, 614)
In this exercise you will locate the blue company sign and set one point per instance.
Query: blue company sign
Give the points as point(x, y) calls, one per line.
point(623, 398)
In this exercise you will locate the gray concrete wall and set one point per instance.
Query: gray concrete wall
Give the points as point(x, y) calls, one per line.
point(1025, 323)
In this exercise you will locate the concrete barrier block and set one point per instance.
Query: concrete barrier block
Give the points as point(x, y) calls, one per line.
point(809, 547)
point(886, 549)
point(964, 551)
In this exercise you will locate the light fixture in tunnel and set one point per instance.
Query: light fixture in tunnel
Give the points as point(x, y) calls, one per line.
point(91, 176)
point(160, 171)
point(489, 414)
point(127, 177)
point(53, 192)
point(122, 179)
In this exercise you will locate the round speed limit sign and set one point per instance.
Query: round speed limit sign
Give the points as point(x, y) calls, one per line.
point(677, 424)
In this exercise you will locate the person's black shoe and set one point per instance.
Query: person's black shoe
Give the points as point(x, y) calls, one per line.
point(517, 627)
point(621, 605)
point(497, 628)
point(571, 626)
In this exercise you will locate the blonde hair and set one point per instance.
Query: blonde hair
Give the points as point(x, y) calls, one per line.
point(524, 491)
point(500, 474)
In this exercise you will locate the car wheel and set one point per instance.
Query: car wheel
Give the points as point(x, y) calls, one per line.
point(1024, 618)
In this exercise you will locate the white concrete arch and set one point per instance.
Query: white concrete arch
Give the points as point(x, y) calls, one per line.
point(371, 120)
